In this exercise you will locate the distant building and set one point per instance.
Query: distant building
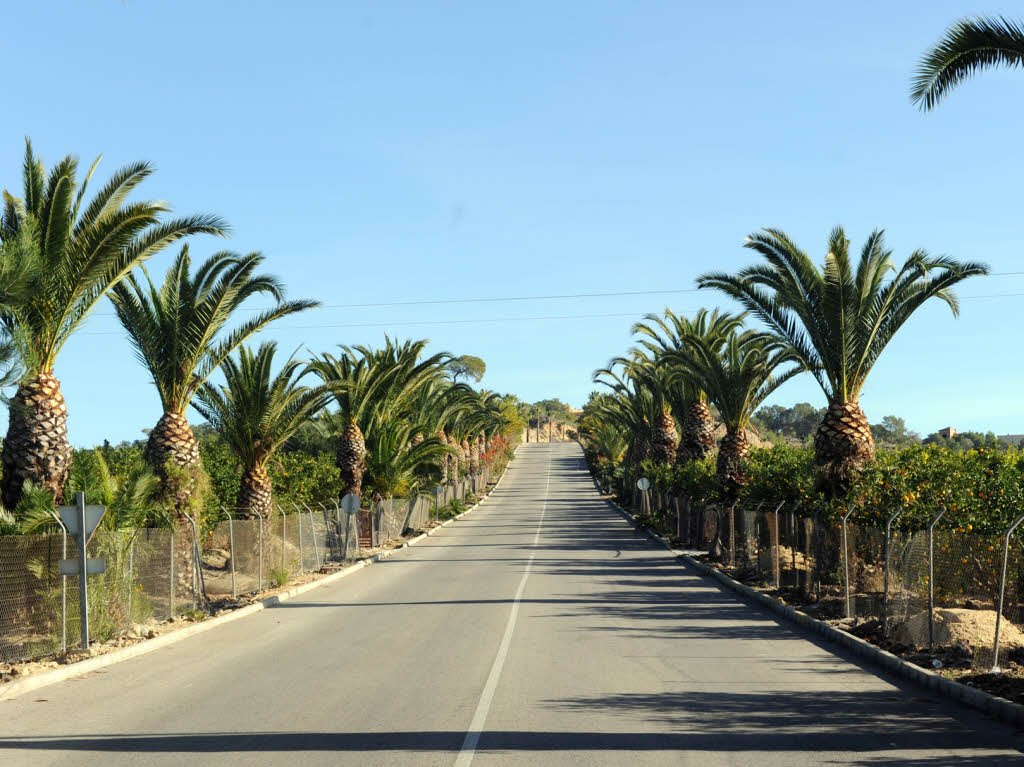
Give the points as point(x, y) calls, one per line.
point(1013, 439)
point(949, 432)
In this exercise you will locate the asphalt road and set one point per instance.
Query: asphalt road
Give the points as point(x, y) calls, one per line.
point(539, 630)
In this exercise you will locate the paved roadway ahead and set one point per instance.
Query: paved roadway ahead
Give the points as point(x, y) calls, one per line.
point(539, 630)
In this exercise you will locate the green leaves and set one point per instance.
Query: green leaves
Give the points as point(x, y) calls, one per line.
point(966, 48)
point(835, 320)
point(179, 330)
point(256, 411)
point(79, 256)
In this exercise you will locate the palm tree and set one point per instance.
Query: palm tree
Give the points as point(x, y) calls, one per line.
point(81, 251)
point(371, 387)
point(688, 401)
point(837, 322)
point(647, 377)
point(631, 407)
point(967, 47)
point(395, 467)
point(738, 377)
point(257, 412)
point(178, 331)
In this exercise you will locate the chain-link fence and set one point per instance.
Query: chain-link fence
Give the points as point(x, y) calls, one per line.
point(156, 575)
point(927, 589)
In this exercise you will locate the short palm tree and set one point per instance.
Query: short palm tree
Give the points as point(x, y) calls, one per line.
point(257, 412)
point(370, 387)
point(738, 376)
point(631, 407)
point(179, 334)
point(82, 249)
point(837, 320)
point(395, 467)
point(689, 402)
point(969, 46)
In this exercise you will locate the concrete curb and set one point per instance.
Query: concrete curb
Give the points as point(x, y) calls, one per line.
point(19, 687)
point(998, 708)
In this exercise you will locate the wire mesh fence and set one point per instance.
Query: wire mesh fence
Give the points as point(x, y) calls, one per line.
point(925, 589)
point(161, 574)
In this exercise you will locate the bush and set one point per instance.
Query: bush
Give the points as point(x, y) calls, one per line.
point(981, 490)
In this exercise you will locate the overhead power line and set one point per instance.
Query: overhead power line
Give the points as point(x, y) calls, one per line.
point(548, 297)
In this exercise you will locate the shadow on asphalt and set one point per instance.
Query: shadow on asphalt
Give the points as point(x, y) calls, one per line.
point(728, 727)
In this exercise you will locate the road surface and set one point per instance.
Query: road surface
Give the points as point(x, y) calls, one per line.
point(539, 630)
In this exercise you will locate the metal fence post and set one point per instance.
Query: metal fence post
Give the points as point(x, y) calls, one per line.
point(171, 603)
point(63, 584)
point(131, 573)
point(284, 531)
point(330, 542)
point(198, 584)
point(885, 572)
point(732, 535)
point(846, 563)
point(312, 532)
point(302, 553)
point(1002, 591)
point(231, 546)
point(337, 513)
point(931, 581)
point(776, 566)
point(259, 572)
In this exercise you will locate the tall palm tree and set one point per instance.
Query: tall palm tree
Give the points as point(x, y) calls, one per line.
point(967, 47)
point(179, 334)
point(689, 402)
point(738, 377)
point(837, 321)
point(82, 250)
point(257, 412)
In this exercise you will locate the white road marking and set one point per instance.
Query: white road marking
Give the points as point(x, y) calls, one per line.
point(476, 727)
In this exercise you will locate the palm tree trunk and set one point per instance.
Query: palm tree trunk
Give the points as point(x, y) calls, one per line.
point(474, 456)
point(729, 472)
point(36, 447)
point(172, 440)
point(351, 460)
point(464, 457)
point(698, 439)
point(665, 440)
point(256, 493)
point(443, 465)
point(453, 460)
point(842, 445)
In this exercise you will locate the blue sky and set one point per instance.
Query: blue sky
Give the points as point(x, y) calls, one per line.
point(384, 152)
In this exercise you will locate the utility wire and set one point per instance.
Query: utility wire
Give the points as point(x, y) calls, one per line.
point(551, 297)
point(474, 321)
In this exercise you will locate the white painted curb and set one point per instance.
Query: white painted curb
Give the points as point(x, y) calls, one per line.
point(34, 682)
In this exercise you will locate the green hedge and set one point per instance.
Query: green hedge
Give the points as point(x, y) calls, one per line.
point(981, 490)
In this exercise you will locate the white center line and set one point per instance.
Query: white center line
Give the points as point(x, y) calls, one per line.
point(476, 727)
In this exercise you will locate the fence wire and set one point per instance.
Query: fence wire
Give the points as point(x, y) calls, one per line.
point(889, 579)
point(154, 575)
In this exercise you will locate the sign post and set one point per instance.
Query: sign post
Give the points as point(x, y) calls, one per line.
point(350, 505)
point(643, 484)
point(82, 521)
